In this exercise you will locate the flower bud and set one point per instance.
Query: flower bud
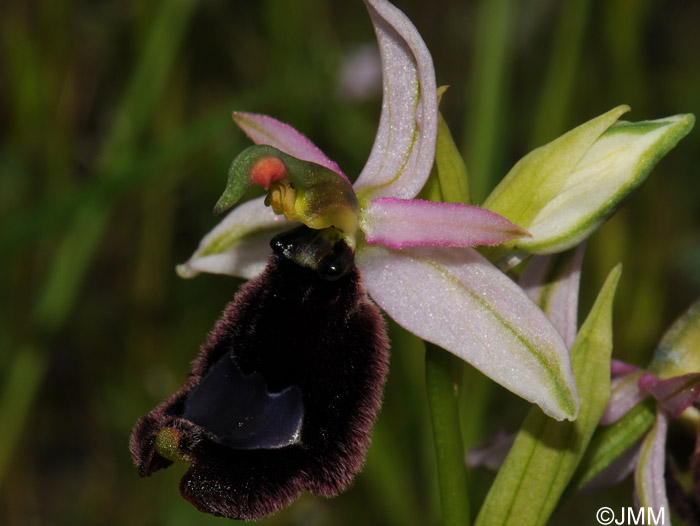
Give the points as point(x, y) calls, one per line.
point(563, 191)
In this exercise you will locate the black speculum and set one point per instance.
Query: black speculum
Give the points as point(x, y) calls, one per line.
point(285, 391)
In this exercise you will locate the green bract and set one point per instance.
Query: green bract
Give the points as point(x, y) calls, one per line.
point(452, 173)
point(610, 442)
point(563, 191)
point(449, 179)
point(546, 453)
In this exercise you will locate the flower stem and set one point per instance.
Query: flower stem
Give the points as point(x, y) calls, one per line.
point(443, 401)
point(563, 72)
point(488, 92)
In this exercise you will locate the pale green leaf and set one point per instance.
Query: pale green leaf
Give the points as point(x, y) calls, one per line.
point(609, 442)
point(545, 453)
point(431, 191)
point(451, 170)
point(449, 180)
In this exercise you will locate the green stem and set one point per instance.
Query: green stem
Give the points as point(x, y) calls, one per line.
point(488, 93)
point(444, 410)
point(475, 396)
point(560, 80)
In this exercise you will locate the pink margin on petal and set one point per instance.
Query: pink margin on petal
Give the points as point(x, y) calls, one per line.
point(263, 129)
point(675, 394)
point(400, 223)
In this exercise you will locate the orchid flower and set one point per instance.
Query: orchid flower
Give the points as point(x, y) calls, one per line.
point(413, 254)
point(285, 391)
point(284, 394)
point(672, 380)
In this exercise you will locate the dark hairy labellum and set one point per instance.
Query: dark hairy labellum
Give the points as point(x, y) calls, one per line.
point(281, 399)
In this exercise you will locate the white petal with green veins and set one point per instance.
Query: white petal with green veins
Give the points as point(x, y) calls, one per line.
point(404, 148)
point(454, 298)
point(239, 245)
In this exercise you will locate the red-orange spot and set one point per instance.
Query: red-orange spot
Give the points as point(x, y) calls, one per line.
point(267, 170)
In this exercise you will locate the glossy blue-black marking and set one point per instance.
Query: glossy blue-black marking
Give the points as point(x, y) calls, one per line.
point(240, 412)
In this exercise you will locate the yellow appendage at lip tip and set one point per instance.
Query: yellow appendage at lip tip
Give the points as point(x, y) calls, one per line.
point(167, 445)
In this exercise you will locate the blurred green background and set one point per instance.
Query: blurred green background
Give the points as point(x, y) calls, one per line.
point(116, 139)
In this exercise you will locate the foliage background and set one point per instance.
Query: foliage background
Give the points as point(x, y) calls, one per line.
point(116, 139)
